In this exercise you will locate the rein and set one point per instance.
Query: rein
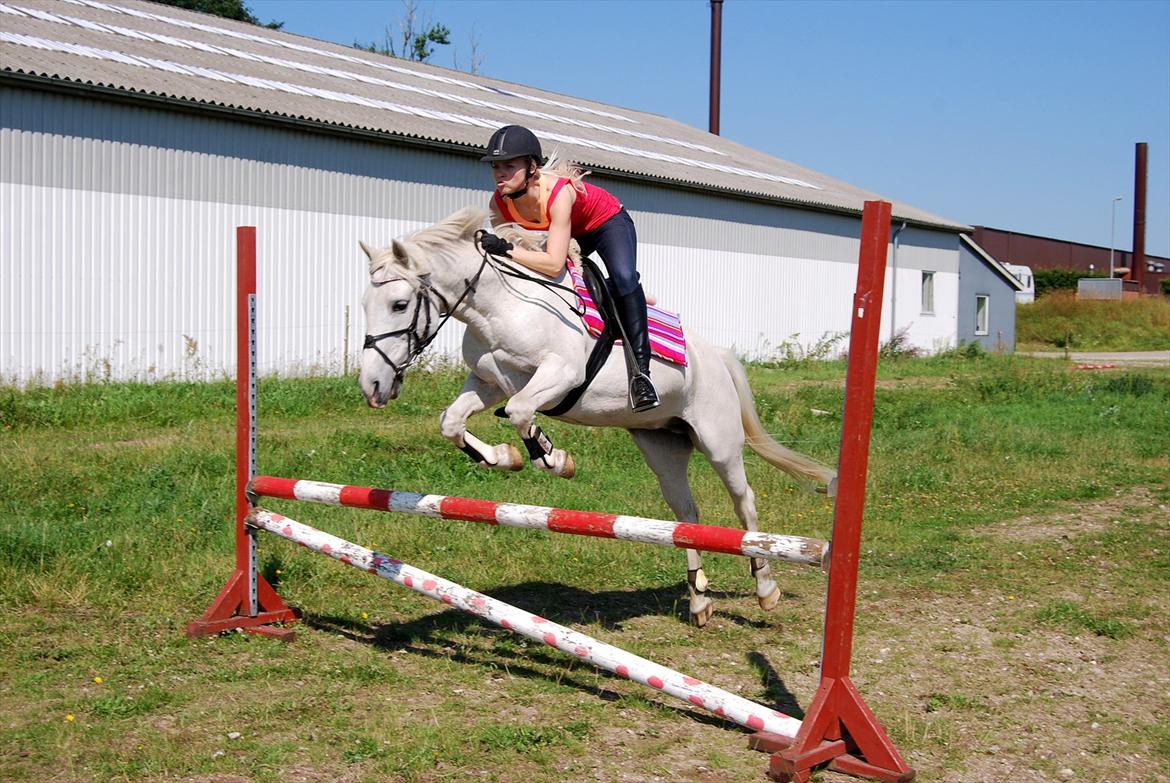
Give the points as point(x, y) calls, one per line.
point(509, 270)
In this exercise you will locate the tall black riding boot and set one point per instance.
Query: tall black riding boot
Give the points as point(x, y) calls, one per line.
point(631, 310)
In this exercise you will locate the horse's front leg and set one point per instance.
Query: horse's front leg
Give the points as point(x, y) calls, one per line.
point(476, 395)
point(552, 380)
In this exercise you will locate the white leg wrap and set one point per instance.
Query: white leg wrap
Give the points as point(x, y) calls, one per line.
point(489, 454)
point(503, 456)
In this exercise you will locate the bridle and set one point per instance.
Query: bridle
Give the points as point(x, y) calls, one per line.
point(417, 341)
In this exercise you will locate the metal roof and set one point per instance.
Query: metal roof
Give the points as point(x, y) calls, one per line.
point(147, 51)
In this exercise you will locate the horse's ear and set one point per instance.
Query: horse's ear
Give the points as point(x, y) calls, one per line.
point(369, 251)
point(401, 254)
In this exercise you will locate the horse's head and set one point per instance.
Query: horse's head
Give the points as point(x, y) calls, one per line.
point(403, 309)
point(396, 307)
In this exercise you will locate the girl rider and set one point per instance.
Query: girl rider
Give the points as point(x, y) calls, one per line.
point(539, 200)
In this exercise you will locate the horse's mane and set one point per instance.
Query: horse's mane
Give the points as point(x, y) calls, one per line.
point(439, 240)
point(444, 237)
point(463, 223)
point(452, 228)
point(532, 240)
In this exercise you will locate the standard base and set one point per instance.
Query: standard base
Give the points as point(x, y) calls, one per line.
point(228, 611)
point(839, 731)
point(839, 760)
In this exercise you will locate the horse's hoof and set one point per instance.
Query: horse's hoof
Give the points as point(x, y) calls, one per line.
point(570, 468)
point(701, 617)
point(768, 602)
point(515, 461)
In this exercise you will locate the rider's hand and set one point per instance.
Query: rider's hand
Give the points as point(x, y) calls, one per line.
point(494, 245)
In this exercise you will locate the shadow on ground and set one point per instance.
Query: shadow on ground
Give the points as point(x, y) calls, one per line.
point(434, 636)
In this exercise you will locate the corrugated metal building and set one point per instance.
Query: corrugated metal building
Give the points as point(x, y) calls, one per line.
point(1037, 252)
point(135, 137)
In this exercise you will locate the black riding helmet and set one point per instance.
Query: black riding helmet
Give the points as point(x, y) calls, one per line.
point(511, 142)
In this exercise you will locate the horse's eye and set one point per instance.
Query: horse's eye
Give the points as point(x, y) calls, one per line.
point(400, 306)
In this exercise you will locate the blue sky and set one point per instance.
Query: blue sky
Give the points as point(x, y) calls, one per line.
point(1017, 115)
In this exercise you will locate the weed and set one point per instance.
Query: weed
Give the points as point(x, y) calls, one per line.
point(1061, 320)
point(522, 738)
point(363, 748)
point(126, 706)
point(898, 346)
point(792, 353)
point(955, 701)
point(1076, 619)
point(1130, 384)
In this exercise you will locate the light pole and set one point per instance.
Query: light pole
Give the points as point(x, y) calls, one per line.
point(1112, 224)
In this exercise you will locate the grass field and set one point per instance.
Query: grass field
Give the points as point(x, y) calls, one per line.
point(1012, 617)
point(1060, 320)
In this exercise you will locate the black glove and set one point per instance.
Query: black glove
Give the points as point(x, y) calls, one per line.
point(494, 245)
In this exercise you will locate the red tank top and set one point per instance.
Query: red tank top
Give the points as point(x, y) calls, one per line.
point(590, 209)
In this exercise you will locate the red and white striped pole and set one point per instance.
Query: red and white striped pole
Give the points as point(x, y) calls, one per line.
point(613, 659)
point(709, 538)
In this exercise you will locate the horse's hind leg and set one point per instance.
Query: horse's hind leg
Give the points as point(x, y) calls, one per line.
point(725, 454)
point(476, 395)
point(667, 454)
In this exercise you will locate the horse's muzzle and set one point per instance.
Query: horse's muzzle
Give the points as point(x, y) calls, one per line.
point(378, 395)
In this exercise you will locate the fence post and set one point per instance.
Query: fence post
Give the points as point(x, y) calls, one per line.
point(246, 601)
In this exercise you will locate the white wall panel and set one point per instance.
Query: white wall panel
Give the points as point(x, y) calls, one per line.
point(754, 304)
point(90, 297)
point(117, 246)
point(141, 287)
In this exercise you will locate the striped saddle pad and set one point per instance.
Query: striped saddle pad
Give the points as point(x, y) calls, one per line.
point(666, 333)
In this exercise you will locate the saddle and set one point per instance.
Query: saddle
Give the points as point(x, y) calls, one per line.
point(597, 311)
point(667, 340)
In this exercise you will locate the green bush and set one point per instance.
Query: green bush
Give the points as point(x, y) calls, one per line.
point(1165, 286)
point(1059, 279)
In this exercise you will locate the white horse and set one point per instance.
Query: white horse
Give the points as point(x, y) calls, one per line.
point(525, 343)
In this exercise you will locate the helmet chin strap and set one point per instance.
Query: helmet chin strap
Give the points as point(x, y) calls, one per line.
point(523, 190)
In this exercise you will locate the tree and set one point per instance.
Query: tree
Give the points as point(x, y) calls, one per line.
point(476, 59)
point(228, 9)
point(415, 39)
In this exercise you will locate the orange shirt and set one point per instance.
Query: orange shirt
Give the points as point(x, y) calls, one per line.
point(590, 209)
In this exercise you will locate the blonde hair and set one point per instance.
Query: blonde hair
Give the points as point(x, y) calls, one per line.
point(557, 168)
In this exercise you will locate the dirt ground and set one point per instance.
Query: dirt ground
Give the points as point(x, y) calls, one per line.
point(972, 687)
point(979, 691)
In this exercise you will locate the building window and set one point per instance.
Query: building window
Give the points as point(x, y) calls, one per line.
point(928, 293)
point(982, 313)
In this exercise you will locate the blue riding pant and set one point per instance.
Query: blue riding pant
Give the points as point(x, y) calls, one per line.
point(616, 242)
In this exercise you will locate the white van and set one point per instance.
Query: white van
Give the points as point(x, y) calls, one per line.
point(1024, 275)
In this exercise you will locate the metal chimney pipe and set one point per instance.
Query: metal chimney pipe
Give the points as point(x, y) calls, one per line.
point(716, 42)
point(1138, 261)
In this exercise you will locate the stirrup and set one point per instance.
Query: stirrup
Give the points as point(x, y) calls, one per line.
point(643, 395)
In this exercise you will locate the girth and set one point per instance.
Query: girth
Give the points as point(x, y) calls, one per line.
point(602, 293)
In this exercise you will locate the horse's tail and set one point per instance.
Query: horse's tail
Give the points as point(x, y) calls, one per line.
point(805, 470)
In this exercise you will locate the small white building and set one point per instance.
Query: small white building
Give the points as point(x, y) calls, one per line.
point(1023, 274)
point(135, 137)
